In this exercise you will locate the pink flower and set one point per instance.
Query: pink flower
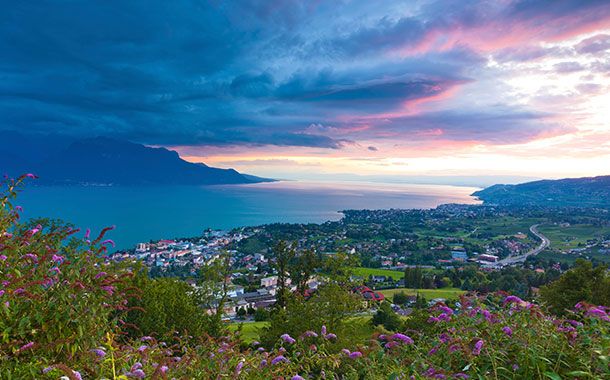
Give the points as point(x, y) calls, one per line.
point(57, 258)
point(3, 257)
point(30, 175)
point(513, 299)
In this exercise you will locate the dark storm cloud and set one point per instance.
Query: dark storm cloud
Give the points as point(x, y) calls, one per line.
point(243, 72)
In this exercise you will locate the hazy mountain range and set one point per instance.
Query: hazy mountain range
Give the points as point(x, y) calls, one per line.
point(103, 160)
point(577, 192)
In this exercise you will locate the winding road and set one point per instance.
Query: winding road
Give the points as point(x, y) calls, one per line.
point(545, 242)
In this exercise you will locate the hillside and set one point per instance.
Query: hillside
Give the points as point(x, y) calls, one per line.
point(103, 160)
point(572, 192)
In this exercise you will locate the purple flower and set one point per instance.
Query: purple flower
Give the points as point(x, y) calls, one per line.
point(403, 338)
point(99, 352)
point(31, 256)
point(446, 310)
point(30, 175)
point(330, 336)
point(444, 338)
point(3, 257)
point(47, 370)
point(263, 363)
point(323, 330)
point(454, 347)
point(109, 241)
point(309, 334)
point(108, 289)
point(26, 346)
point(507, 330)
point(345, 351)
point(164, 369)
point(391, 344)
point(101, 274)
point(142, 348)
point(77, 375)
point(287, 338)
point(138, 374)
point(18, 291)
point(487, 315)
point(461, 375)
point(598, 313)
point(146, 338)
point(433, 319)
point(2, 292)
point(238, 368)
point(55, 270)
point(477, 347)
point(57, 258)
point(512, 299)
point(433, 351)
point(355, 355)
point(297, 377)
point(279, 359)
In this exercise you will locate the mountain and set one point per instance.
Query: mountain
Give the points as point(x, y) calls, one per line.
point(103, 160)
point(573, 192)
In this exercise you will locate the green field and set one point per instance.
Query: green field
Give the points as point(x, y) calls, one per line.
point(366, 272)
point(573, 236)
point(249, 331)
point(447, 293)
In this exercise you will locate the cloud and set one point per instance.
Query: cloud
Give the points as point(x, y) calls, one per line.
point(372, 148)
point(288, 73)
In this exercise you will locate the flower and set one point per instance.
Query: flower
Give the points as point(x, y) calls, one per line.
point(26, 346)
point(403, 338)
point(297, 377)
point(3, 257)
point(513, 299)
point(57, 258)
point(355, 355)
point(287, 338)
point(330, 336)
point(138, 374)
point(279, 359)
point(323, 330)
point(109, 241)
point(309, 334)
point(477, 347)
point(142, 348)
point(101, 274)
point(99, 352)
point(30, 175)
point(507, 330)
point(238, 368)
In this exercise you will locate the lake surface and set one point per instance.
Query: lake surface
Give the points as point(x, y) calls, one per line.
point(144, 213)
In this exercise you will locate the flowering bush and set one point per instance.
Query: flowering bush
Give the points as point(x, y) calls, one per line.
point(62, 306)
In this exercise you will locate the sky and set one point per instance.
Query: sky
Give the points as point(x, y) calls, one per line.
point(321, 89)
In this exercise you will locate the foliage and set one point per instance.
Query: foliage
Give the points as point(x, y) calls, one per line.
point(582, 283)
point(386, 317)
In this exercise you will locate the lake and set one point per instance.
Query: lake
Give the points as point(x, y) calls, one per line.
point(145, 213)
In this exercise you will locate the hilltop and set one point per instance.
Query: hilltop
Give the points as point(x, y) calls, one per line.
point(573, 192)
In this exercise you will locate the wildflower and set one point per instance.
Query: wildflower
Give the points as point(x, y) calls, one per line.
point(454, 347)
point(391, 344)
point(263, 363)
point(287, 338)
point(260, 349)
point(138, 374)
point(297, 377)
point(477, 347)
point(99, 352)
point(598, 313)
point(146, 338)
point(47, 370)
point(313, 348)
point(77, 375)
point(444, 338)
point(57, 258)
point(309, 334)
point(256, 343)
point(238, 368)
point(108, 288)
point(109, 241)
point(513, 299)
point(433, 319)
point(142, 348)
point(18, 291)
point(461, 375)
point(279, 359)
point(323, 330)
point(26, 346)
point(444, 317)
point(345, 351)
point(355, 355)
point(2, 292)
point(487, 315)
point(330, 336)
point(101, 274)
point(3, 257)
point(446, 310)
point(403, 338)
point(433, 351)
point(164, 369)
point(55, 270)
point(507, 330)
point(31, 256)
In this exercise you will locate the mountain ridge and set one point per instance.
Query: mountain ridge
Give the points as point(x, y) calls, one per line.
point(109, 161)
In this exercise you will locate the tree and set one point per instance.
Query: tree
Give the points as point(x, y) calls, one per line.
point(581, 283)
point(283, 254)
point(400, 298)
point(213, 288)
point(387, 317)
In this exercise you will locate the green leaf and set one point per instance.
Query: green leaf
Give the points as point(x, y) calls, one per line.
point(552, 375)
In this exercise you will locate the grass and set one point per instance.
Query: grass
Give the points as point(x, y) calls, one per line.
point(366, 272)
point(447, 293)
point(250, 330)
point(573, 236)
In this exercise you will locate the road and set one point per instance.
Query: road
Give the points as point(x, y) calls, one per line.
point(545, 242)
